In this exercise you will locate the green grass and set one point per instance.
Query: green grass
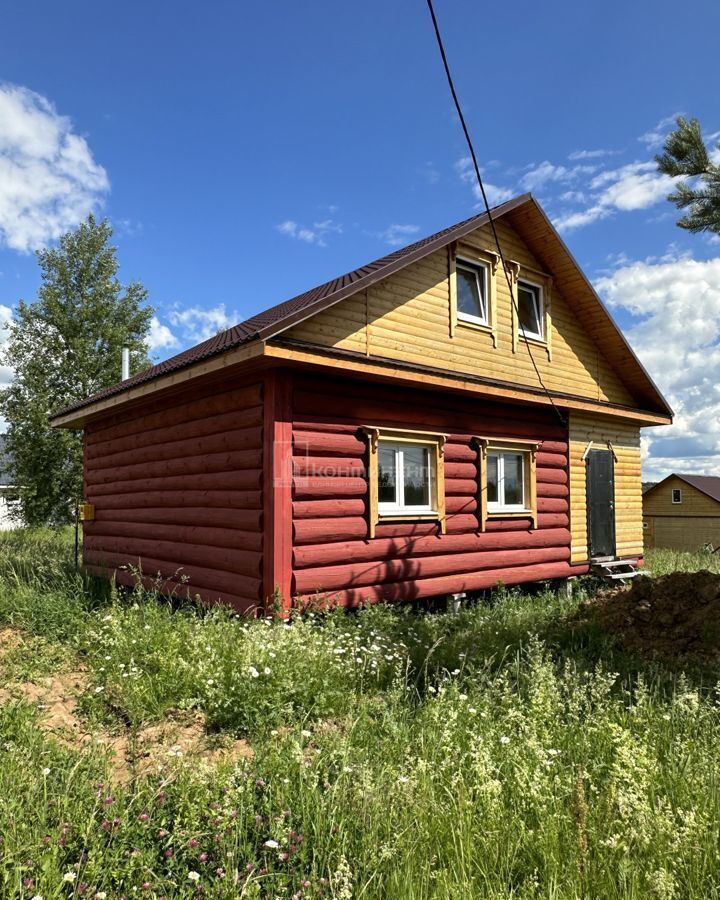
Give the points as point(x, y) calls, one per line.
point(492, 753)
point(661, 562)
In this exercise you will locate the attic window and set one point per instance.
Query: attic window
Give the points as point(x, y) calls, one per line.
point(472, 291)
point(676, 495)
point(531, 311)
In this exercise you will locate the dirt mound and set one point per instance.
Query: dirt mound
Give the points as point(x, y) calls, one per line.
point(673, 615)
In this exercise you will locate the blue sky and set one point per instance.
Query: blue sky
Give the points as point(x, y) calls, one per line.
point(245, 152)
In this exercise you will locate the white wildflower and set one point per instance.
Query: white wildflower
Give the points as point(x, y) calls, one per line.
point(46, 772)
point(69, 877)
point(272, 845)
point(254, 672)
point(504, 739)
point(194, 876)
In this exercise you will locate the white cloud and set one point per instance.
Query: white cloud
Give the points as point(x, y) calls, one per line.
point(197, 324)
point(310, 234)
point(592, 154)
point(655, 138)
point(677, 337)
point(160, 336)
point(495, 194)
point(540, 174)
point(636, 185)
point(49, 180)
point(398, 235)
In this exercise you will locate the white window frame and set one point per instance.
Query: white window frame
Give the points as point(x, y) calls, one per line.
point(481, 270)
point(499, 505)
point(677, 491)
point(540, 311)
point(399, 507)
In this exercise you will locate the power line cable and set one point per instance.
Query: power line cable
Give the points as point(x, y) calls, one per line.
point(488, 210)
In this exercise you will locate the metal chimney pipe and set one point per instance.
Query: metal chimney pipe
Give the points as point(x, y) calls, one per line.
point(125, 363)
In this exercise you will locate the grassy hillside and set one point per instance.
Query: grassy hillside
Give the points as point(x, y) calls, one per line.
point(497, 752)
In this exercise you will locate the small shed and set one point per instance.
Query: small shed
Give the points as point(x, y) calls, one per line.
point(434, 422)
point(682, 512)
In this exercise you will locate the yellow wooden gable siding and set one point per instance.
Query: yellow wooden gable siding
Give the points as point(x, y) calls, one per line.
point(408, 317)
point(658, 501)
point(589, 429)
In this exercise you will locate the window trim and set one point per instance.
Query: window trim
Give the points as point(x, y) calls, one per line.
point(532, 335)
point(486, 445)
point(677, 491)
point(474, 257)
point(480, 269)
point(435, 440)
point(540, 279)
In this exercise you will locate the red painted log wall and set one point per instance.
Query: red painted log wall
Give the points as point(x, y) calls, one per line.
point(333, 557)
point(177, 486)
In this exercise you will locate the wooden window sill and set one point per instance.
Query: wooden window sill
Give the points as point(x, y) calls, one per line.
point(409, 517)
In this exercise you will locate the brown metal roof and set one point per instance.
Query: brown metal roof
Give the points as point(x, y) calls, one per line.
point(273, 321)
point(708, 484)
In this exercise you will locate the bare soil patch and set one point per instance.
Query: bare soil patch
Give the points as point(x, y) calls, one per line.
point(180, 738)
point(676, 615)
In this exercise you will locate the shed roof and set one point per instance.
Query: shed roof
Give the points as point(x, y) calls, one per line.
point(271, 322)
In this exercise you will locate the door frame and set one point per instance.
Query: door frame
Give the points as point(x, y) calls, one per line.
point(613, 520)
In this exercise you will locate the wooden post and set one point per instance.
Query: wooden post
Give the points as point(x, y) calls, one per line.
point(277, 489)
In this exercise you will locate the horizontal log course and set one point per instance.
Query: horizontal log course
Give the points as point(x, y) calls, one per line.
point(436, 587)
point(316, 530)
point(185, 465)
point(552, 505)
point(242, 519)
point(551, 476)
point(464, 470)
point(242, 480)
point(552, 490)
point(328, 444)
point(319, 488)
point(207, 405)
point(197, 576)
point(463, 453)
point(245, 439)
point(182, 534)
point(427, 545)
point(242, 562)
point(555, 447)
point(203, 426)
point(326, 509)
point(462, 504)
point(460, 487)
point(546, 460)
point(170, 588)
point(219, 499)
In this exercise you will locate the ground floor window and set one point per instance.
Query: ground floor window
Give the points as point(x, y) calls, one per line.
point(506, 480)
point(507, 485)
point(405, 475)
